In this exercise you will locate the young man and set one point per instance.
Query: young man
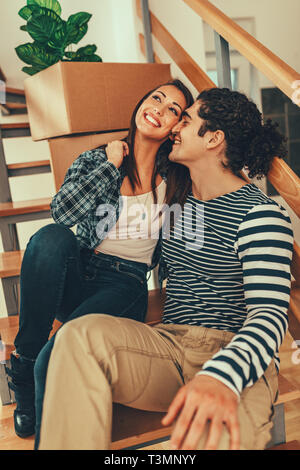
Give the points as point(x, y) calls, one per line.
point(212, 363)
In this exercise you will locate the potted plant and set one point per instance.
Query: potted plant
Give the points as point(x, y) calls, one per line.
point(74, 92)
point(52, 36)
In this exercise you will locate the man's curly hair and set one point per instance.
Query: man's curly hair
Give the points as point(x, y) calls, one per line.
point(250, 143)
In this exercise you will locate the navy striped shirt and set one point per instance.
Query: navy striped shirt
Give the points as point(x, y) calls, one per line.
point(228, 261)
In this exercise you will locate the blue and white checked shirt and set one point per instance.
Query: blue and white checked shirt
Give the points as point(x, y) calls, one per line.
point(92, 181)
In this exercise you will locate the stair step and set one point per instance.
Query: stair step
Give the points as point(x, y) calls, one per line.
point(24, 207)
point(10, 264)
point(292, 445)
point(15, 129)
point(288, 391)
point(28, 168)
point(38, 163)
point(15, 91)
point(15, 102)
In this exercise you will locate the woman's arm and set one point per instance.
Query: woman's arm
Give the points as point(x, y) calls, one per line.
point(87, 182)
point(264, 246)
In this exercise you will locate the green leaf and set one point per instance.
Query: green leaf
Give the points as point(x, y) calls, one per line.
point(34, 54)
point(23, 27)
point(79, 19)
point(32, 70)
point(70, 55)
point(76, 27)
point(43, 24)
point(50, 4)
point(91, 58)
point(25, 13)
point(86, 50)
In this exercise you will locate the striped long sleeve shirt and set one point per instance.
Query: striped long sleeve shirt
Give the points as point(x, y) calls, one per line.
point(228, 261)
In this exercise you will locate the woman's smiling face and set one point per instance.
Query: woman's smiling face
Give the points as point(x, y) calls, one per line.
point(160, 112)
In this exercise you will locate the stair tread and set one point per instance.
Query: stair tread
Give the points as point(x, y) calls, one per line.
point(12, 105)
point(288, 391)
point(15, 125)
point(24, 207)
point(10, 264)
point(38, 163)
point(292, 445)
point(16, 91)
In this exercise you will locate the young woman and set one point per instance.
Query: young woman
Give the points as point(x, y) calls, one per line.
point(213, 361)
point(66, 276)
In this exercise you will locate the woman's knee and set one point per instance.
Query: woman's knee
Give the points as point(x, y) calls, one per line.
point(53, 238)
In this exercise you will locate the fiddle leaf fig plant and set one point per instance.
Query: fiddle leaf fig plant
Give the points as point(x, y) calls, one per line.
point(52, 36)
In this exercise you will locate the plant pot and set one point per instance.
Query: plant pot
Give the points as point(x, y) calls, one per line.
point(78, 97)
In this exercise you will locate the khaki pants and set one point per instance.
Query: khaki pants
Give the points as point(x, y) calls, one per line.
point(98, 359)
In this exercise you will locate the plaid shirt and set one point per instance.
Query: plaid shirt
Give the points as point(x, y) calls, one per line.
point(92, 181)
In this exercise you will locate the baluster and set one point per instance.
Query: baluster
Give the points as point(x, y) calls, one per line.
point(223, 62)
point(147, 30)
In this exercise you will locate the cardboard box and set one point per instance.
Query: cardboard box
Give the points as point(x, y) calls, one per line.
point(64, 150)
point(76, 97)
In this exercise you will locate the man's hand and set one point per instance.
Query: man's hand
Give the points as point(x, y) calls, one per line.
point(203, 399)
point(116, 151)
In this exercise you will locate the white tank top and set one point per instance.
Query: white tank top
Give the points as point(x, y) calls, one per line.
point(136, 232)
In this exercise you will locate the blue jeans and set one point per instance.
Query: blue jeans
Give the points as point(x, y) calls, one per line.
point(61, 280)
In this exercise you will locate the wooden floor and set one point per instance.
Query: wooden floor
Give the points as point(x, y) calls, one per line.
point(290, 370)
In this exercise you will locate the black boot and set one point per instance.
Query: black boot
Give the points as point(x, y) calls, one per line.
point(22, 383)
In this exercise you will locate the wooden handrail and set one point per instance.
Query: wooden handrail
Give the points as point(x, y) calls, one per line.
point(287, 183)
point(281, 74)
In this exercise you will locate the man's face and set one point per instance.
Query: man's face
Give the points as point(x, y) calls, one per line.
point(188, 145)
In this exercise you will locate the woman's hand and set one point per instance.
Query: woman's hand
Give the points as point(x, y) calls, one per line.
point(203, 399)
point(116, 151)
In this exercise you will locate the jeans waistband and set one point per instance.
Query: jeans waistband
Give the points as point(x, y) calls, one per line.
point(120, 264)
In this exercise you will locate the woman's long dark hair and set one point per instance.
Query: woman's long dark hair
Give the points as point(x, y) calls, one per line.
point(176, 174)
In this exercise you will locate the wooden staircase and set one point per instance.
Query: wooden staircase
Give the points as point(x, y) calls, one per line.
point(12, 212)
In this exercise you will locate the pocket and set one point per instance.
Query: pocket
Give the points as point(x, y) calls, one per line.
point(124, 270)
